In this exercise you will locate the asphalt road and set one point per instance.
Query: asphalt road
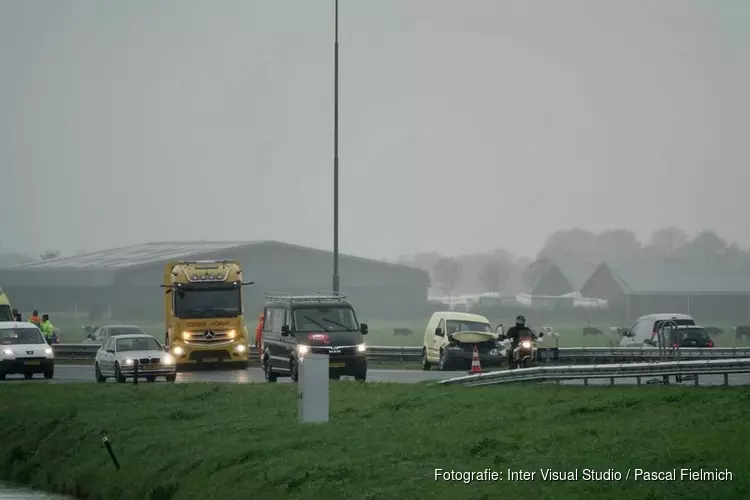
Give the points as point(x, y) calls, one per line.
point(85, 374)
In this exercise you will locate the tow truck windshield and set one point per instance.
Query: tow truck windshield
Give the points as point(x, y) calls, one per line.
point(18, 336)
point(208, 302)
point(6, 314)
point(329, 319)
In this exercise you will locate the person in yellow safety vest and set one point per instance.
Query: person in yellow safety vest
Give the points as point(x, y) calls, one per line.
point(36, 319)
point(47, 328)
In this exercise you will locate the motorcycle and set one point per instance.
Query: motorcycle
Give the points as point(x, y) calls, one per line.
point(525, 352)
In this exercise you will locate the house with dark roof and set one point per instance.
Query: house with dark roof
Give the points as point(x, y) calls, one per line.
point(126, 281)
point(712, 292)
point(553, 283)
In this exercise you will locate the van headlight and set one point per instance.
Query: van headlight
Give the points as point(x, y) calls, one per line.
point(168, 360)
point(361, 347)
point(303, 349)
point(128, 362)
point(7, 352)
point(48, 352)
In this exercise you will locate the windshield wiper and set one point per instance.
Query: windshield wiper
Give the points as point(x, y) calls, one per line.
point(308, 318)
point(335, 323)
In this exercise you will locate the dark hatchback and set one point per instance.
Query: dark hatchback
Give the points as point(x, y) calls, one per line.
point(296, 326)
point(691, 336)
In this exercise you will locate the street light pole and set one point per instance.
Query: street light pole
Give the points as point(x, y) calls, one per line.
point(336, 283)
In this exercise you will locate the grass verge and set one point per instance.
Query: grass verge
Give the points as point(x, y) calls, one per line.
point(204, 441)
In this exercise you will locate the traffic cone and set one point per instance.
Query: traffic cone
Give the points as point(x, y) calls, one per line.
point(476, 367)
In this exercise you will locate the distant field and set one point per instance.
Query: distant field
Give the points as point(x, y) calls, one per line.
point(381, 333)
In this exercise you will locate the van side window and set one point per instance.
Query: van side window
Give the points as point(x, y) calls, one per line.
point(633, 329)
point(441, 325)
point(268, 320)
point(279, 315)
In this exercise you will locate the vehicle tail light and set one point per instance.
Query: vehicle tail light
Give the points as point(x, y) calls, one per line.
point(675, 345)
point(710, 343)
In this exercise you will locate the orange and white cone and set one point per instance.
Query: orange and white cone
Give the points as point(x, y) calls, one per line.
point(476, 367)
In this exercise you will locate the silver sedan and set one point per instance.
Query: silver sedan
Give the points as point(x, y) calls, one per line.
point(123, 356)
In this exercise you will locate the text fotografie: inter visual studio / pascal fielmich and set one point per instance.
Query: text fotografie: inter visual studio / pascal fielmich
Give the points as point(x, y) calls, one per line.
point(584, 475)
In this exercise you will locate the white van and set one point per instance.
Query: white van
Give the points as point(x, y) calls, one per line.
point(23, 350)
point(643, 331)
point(450, 337)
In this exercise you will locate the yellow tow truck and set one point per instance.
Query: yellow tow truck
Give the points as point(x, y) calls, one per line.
point(6, 312)
point(203, 313)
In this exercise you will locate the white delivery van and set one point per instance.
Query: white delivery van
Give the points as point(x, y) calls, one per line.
point(450, 337)
point(643, 331)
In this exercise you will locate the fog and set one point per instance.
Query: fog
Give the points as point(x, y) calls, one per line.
point(464, 125)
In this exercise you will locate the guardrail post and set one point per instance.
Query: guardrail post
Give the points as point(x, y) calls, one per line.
point(611, 380)
point(696, 379)
point(638, 380)
point(585, 381)
point(666, 379)
point(726, 379)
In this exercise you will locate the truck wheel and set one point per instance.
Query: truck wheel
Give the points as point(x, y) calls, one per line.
point(98, 374)
point(150, 378)
point(28, 376)
point(425, 364)
point(48, 374)
point(361, 376)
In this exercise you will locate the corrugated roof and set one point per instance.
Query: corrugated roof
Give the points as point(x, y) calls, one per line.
point(677, 278)
point(134, 255)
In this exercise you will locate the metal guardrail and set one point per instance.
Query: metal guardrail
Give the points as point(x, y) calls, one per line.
point(666, 369)
point(565, 355)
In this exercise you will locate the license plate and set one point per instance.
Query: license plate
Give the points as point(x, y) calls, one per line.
point(337, 365)
point(32, 362)
point(210, 360)
point(145, 367)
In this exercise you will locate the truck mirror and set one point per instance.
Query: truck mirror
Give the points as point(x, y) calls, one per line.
point(285, 331)
point(363, 328)
point(438, 332)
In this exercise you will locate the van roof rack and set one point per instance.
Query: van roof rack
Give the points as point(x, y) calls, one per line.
point(319, 297)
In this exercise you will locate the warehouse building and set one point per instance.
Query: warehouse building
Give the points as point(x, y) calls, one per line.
point(125, 282)
point(713, 294)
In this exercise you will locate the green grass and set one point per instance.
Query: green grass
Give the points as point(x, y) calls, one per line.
point(204, 442)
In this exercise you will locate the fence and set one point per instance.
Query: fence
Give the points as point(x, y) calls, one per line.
point(563, 355)
point(665, 370)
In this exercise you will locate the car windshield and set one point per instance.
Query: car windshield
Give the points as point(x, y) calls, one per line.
point(22, 335)
point(6, 313)
point(138, 344)
point(124, 330)
point(455, 326)
point(329, 319)
point(208, 302)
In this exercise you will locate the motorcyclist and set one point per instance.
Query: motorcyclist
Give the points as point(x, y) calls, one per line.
point(515, 333)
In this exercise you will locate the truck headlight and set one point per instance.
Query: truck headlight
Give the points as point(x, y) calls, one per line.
point(361, 347)
point(128, 362)
point(179, 351)
point(526, 345)
point(240, 348)
point(168, 360)
point(231, 334)
point(185, 335)
point(7, 352)
point(303, 349)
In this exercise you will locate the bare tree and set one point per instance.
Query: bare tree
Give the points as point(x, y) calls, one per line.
point(494, 275)
point(49, 254)
point(448, 273)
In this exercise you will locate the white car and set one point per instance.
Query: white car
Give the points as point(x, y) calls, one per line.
point(23, 350)
point(120, 356)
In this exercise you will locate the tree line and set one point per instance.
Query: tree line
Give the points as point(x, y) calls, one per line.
point(577, 252)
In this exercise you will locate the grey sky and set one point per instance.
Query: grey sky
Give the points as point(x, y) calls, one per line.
point(139, 120)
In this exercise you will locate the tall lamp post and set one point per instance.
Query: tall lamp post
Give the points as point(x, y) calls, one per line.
point(336, 284)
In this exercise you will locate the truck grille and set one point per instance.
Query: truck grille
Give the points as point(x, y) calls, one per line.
point(342, 351)
point(208, 337)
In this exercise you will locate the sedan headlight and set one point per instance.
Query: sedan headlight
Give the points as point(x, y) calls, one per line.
point(303, 349)
point(7, 352)
point(167, 360)
point(526, 345)
point(361, 347)
point(128, 362)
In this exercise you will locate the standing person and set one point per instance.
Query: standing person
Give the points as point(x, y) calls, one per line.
point(47, 328)
point(17, 316)
point(259, 336)
point(36, 319)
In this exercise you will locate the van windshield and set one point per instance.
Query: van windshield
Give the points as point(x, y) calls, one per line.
point(19, 336)
point(455, 326)
point(328, 319)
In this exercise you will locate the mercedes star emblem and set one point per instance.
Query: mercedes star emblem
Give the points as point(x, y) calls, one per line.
point(209, 335)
